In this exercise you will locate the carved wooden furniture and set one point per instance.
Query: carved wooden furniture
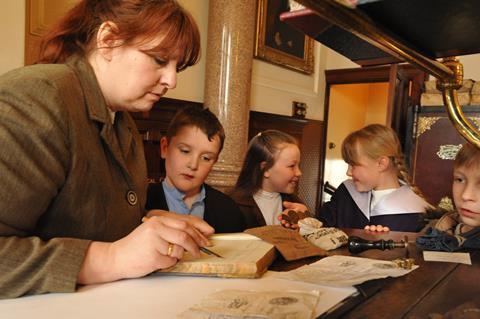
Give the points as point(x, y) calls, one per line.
point(434, 144)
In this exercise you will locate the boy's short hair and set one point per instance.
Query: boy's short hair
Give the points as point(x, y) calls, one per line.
point(468, 156)
point(199, 117)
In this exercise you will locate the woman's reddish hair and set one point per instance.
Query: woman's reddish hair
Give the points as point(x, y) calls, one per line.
point(137, 21)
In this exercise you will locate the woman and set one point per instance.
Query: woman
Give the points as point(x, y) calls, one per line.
point(73, 182)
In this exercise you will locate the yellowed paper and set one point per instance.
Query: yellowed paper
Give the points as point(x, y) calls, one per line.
point(244, 256)
point(462, 258)
point(289, 243)
point(240, 304)
point(343, 271)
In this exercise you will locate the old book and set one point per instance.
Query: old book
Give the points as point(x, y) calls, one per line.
point(244, 256)
point(475, 99)
point(476, 88)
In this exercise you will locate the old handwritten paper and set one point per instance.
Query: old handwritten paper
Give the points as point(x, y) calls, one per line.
point(239, 304)
point(244, 256)
point(343, 271)
point(289, 243)
point(327, 238)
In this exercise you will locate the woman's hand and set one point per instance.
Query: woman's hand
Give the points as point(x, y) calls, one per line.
point(292, 214)
point(377, 228)
point(157, 243)
point(194, 221)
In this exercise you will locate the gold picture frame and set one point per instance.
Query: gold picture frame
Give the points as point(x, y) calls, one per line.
point(279, 43)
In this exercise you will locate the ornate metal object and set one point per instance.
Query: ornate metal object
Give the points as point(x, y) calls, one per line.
point(446, 203)
point(425, 123)
point(448, 151)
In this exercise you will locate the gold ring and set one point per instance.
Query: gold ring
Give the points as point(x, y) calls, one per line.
point(170, 249)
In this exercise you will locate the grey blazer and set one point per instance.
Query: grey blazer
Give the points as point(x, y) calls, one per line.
point(67, 175)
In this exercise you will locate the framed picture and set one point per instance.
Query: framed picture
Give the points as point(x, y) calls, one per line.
point(279, 43)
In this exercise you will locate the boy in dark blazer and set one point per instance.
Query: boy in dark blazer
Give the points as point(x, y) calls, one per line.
point(191, 147)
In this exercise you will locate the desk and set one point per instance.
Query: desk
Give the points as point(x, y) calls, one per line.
point(435, 287)
point(432, 288)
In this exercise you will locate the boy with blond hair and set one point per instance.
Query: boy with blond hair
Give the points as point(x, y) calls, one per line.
point(460, 229)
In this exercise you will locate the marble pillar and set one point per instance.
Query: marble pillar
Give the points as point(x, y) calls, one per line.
point(231, 32)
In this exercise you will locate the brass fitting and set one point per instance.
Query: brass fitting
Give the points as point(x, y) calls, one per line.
point(457, 81)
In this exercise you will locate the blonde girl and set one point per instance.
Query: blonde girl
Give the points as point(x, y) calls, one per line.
point(269, 178)
point(379, 195)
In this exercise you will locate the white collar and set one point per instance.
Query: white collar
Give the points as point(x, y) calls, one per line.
point(400, 201)
point(267, 195)
point(112, 115)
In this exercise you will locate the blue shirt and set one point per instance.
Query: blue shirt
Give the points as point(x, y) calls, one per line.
point(176, 204)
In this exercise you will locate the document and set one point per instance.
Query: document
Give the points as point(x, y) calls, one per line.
point(289, 243)
point(241, 304)
point(344, 271)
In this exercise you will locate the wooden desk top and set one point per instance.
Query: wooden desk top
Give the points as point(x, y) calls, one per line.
point(432, 288)
point(435, 287)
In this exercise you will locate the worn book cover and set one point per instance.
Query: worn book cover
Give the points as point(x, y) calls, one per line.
point(244, 256)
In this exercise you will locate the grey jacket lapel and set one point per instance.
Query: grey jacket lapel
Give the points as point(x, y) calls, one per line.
point(118, 146)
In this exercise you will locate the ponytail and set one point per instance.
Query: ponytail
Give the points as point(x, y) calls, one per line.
point(403, 175)
point(72, 34)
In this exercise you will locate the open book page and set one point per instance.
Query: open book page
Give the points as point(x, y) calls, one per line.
point(244, 256)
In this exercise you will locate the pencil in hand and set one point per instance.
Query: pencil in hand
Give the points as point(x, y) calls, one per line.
point(203, 249)
point(209, 252)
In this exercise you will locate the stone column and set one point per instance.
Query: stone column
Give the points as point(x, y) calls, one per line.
point(231, 32)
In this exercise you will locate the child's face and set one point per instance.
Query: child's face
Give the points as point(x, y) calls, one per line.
point(365, 174)
point(189, 157)
point(466, 193)
point(283, 176)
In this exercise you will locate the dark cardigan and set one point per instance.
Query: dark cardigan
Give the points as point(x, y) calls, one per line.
point(221, 212)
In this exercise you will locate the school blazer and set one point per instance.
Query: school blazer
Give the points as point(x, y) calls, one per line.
point(221, 212)
point(68, 176)
point(402, 210)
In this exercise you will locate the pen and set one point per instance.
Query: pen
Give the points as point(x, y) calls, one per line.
point(203, 249)
point(209, 252)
